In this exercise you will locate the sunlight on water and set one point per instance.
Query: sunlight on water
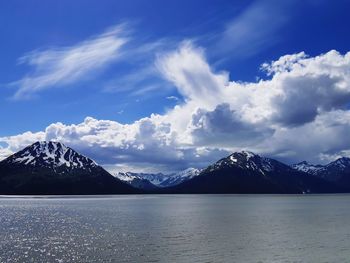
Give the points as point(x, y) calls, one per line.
point(183, 228)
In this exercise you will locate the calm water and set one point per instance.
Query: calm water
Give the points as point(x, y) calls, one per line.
point(181, 228)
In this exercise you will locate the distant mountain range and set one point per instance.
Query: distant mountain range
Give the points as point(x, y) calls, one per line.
point(337, 172)
point(152, 181)
point(53, 168)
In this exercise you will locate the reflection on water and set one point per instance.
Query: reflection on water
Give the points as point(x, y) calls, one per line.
point(176, 228)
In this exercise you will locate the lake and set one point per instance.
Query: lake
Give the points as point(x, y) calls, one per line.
point(176, 228)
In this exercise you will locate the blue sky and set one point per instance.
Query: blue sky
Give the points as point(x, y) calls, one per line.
point(64, 61)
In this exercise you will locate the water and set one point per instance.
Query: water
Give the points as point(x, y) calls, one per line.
point(176, 228)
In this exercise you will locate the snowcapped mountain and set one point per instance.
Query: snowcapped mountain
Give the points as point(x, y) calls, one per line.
point(180, 177)
point(51, 155)
point(308, 168)
point(138, 181)
point(155, 179)
point(341, 165)
point(246, 172)
point(337, 171)
point(149, 181)
point(247, 161)
point(53, 168)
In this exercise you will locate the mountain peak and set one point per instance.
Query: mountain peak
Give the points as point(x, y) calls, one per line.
point(48, 146)
point(242, 156)
point(49, 167)
point(245, 160)
point(343, 160)
point(248, 153)
point(342, 163)
point(306, 167)
point(50, 154)
point(188, 171)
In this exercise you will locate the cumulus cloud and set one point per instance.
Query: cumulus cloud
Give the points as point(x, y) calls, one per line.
point(309, 86)
point(223, 127)
point(16, 142)
point(190, 73)
point(61, 66)
point(4, 152)
point(147, 143)
point(300, 111)
point(320, 141)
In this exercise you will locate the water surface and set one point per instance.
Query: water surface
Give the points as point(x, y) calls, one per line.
point(176, 228)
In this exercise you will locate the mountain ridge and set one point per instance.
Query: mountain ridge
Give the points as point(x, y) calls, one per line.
point(337, 171)
point(149, 181)
point(246, 172)
point(53, 168)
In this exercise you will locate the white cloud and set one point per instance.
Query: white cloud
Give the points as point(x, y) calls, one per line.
point(188, 70)
point(262, 115)
point(322, 140)
point(61, 66)
point(172, 98)
point(4, 152)
point(309, 86)
point(14, 143)
point(223, 128)
point(300, 112)
point(148, 142)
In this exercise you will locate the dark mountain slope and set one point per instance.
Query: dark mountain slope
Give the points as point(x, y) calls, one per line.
point(337, 172)
point(53, 168)
point(245, 172)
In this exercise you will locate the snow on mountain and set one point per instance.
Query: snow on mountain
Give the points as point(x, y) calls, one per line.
point(340, 164)
point(245, 160)
point(158, 179)
point(126, 177)
point(53, 168)
point(136, 180)
point(188, 173)
point(333, 171)
point(52, 155)
point(308, 168)
point(155, 179)
point(246, 172)
point(178, 178)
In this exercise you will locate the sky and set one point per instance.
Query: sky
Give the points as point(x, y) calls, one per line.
point(165, 85)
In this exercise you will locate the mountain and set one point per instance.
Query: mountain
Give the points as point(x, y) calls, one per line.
point(136, 180)
point(246, 172)
point(149, 181)
point(53, 168)
point(142, 180)
point(180, 177)
point(337, 172)
point(308, 168)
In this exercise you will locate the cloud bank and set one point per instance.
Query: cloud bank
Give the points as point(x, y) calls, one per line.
point(300, 111)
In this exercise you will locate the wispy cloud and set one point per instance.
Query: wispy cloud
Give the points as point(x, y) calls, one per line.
point(131, 80)
point(140, 75)
point(62, 66)
point(255, 28)
point(172, 98)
